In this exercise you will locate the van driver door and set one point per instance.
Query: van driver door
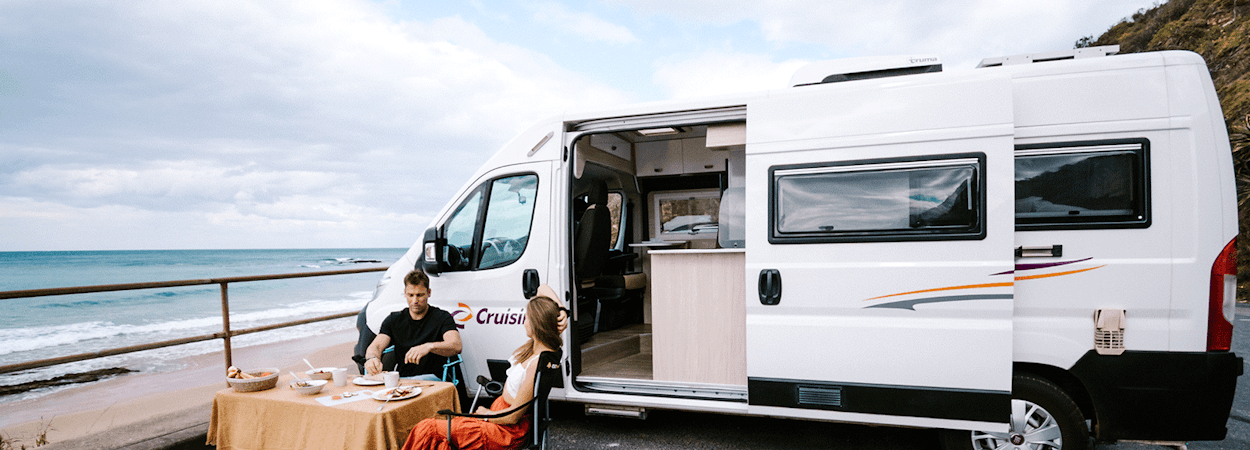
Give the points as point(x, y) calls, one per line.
point(880, 251)
point(489, 254)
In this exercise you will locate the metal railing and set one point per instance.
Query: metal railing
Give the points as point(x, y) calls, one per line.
point(225, 334)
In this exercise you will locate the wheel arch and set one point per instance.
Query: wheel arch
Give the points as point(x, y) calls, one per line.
point(1066, 381)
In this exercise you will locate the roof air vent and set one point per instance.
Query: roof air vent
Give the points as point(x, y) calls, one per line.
point(852, 69)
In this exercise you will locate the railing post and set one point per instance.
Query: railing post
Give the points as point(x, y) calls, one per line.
point(225, 323)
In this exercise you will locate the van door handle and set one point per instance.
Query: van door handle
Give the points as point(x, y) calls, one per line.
point(770, 287)
point(529, 283)
point(1042, 251)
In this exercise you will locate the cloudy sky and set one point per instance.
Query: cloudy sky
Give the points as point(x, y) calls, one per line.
point(189, 124)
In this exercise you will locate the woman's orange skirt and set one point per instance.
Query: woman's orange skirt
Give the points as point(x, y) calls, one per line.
point(469, 433)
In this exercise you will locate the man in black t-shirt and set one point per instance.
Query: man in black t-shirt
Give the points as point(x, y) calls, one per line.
point(423, 335)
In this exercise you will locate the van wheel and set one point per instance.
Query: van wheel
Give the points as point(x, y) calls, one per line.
point(1043, 417)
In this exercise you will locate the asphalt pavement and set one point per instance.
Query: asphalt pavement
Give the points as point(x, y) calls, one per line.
point(681, 430)
point(1239, 419)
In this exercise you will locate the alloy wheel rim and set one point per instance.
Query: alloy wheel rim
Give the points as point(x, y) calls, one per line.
point(1032, 427)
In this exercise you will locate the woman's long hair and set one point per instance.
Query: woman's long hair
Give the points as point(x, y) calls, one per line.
point(543, 315)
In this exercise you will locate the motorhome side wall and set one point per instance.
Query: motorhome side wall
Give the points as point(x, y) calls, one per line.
point(1157, 273)
point(1211, 221)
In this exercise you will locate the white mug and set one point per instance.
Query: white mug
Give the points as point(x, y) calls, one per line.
point(391, 379)
point(340, 376)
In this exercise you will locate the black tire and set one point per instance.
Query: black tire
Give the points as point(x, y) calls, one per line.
point(1045, 405)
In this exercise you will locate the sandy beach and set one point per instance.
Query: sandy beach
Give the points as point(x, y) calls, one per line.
point(131, 398)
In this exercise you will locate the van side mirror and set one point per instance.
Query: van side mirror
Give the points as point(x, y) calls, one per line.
point(431, 261)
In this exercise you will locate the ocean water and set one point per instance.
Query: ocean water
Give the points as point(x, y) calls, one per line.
point(47, 327)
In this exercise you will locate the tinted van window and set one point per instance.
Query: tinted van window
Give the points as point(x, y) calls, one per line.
point(1086, 185)
point(894, 200)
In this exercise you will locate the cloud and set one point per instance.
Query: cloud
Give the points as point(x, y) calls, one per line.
point(334, 73)
point(721, 72)
point(586, 25)
point(962, 33)
point(179, 185)
point(272, 120)
point(35, 225)
point(257, 113)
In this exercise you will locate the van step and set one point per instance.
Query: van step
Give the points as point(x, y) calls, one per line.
point(619, 333)
point(616, 345)
point(679, 389)
point(610, 351)
point(632, 412)
point(637, 366)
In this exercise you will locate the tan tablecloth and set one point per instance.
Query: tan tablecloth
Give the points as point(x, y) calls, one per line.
point(283, 419)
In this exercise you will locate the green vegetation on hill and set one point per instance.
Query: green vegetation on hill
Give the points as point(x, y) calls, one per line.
point(1219, 31)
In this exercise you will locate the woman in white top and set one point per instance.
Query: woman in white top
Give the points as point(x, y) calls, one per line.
point(545, 319)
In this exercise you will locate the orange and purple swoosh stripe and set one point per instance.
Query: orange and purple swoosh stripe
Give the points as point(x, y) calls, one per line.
point(910, 304)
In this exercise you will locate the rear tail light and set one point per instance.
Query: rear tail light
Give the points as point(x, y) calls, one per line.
point(1223, 298)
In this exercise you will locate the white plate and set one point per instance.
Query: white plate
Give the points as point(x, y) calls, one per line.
point(362, 381)
point(383, 394)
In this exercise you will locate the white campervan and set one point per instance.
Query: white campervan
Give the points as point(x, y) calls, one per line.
point(1039, 250)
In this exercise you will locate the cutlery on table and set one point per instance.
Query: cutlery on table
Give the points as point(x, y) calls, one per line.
point(389, 396)
point(298, 379)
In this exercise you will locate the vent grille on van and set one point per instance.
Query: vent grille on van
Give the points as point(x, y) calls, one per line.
point(823, 396)
point(1109, 331)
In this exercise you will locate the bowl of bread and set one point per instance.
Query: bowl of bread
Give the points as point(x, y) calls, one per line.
point(252, 380)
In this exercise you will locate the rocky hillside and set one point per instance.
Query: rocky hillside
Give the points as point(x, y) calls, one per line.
point(1214, 29)
point(1219, 30)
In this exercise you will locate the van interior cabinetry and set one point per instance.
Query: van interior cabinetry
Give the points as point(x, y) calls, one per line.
point(612, 145)
point(697, 158)
point(699, 316)
point(659, 158)
point(678, 156)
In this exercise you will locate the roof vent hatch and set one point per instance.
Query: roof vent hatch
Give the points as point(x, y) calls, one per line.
point(852, 69)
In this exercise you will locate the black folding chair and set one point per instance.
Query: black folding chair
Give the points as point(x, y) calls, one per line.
point(548, 375)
